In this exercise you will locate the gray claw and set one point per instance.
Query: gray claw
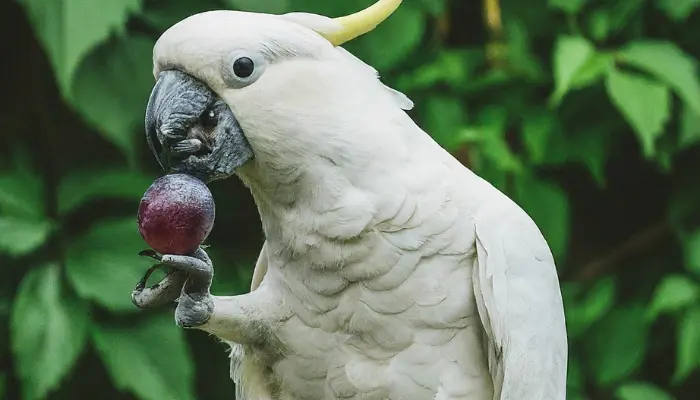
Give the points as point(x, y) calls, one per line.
point(151, 253)
point(195, 304)
point(188, 282)
point(162, 293)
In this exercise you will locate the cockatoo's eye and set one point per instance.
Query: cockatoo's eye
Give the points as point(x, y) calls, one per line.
point(243, 67)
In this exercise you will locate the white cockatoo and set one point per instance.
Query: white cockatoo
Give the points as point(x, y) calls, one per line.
point(389, 270)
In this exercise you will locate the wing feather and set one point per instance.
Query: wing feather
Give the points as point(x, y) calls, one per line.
point(520, 306)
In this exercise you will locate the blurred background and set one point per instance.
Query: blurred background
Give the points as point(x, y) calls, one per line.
point(586, 112)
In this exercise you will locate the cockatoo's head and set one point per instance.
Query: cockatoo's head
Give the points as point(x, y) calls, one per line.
point(275, 91)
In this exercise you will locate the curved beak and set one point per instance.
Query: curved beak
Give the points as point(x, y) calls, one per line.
point(189, 129)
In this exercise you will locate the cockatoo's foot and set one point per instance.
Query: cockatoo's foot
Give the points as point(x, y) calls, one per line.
point(188, 282)
point(244, 319)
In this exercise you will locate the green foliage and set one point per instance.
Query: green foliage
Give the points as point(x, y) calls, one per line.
point(616, 344)
point(679, 10)
point(688, 344)
point(49, 331)
point(667, 63)
point(55, 23)
point(644, 103)
point(103, 265)
point(102, 96)
point(673, 293)
point(641, 391)
point(587, 307)
point(586, 113)
point(150, 358)
point(81, 187)
point(572, 54)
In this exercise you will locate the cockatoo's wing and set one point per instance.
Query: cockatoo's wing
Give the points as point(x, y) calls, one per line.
point(260, 268)
point(245, 372)
point(520, 306)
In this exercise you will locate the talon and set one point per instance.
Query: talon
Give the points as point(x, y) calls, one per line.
point(188, 282)
point(166, 291)
point(142, 283)
point(151, 253)
point(198, 267)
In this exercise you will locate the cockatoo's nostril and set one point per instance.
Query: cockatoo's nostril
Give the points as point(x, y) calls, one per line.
point(209, 119)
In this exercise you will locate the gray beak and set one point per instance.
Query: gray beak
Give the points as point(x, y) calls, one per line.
point(189, 129)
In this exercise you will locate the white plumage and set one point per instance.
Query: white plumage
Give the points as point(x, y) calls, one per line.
point(389, 270)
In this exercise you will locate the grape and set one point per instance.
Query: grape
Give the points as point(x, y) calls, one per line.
point(176, 214)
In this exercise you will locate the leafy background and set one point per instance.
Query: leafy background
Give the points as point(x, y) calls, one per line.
point(587, 113)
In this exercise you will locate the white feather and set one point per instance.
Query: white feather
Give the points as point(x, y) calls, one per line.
point(389, 270)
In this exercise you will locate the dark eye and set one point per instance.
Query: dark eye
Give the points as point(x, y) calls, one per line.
point(243, 67)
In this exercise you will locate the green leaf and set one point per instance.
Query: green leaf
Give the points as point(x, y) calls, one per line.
point(585, 312)
point(149, 358)
point(622, 14)
point(688, 353)
point(591, 147)
point(538, 128)
point(673, 293)
point(568, 6)
point(641, 391)
point(22, 195)
point(261, 6)
point(691, 250)
point(690, 127)
point(111, 89)
point(491, 128)
point(548, 205)
point(81, 187)
point(599, 24)
point(48, 331)
point(19, 237)
point(103, 265)
point(443, 116)
point(593, 70)
point(521, 57)
point(669, 64)
point(645, 104)
point(451, 67)
point(69, 29)
point(571, 54)
point(615, 346)
point(677, 10)
point(404, 30)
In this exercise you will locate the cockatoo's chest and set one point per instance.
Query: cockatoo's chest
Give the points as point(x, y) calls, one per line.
point(373, 320)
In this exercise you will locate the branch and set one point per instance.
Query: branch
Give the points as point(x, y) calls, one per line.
point(496, 48)
point(638, 243)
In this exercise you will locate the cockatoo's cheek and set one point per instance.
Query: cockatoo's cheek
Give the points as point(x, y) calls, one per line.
point(190, 130)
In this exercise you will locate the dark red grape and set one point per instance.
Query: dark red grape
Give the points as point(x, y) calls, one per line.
point(176, 214)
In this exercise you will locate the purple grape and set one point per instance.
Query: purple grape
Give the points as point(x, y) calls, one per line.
point(176, 214)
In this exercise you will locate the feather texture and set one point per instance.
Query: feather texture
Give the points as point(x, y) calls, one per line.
point(398, 273)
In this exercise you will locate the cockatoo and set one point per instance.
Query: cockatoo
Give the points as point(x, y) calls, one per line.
point(389, 270)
